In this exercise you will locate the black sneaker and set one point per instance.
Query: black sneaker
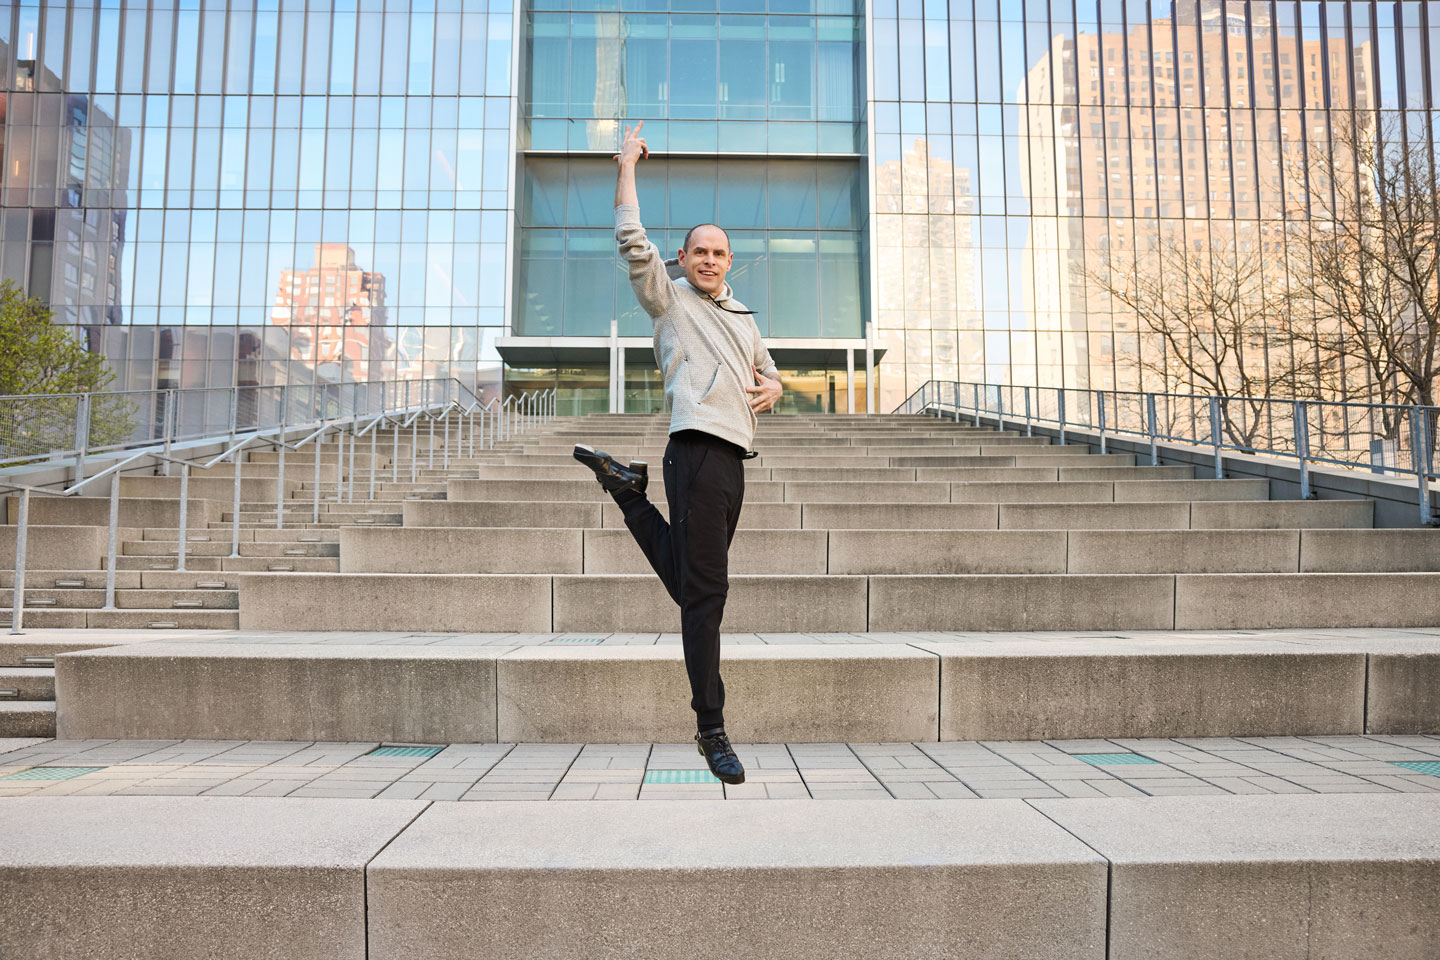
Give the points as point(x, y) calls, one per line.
point(715, 747)
point(613, 477)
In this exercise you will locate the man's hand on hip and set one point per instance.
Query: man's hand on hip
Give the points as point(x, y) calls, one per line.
point(766, 390)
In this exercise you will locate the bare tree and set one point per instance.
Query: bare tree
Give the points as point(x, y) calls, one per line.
point(1372, 282)
point(1204, 315)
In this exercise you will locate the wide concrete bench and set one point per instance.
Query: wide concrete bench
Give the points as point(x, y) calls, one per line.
point(172, 878)
point(886, 880)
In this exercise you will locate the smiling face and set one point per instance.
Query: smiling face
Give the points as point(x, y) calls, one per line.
point(707, 258)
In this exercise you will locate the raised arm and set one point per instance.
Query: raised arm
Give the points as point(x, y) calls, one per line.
point(648, 278)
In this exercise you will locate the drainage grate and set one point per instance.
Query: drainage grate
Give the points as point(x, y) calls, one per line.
point(51, 773)
point(578, 640)
point(1108, 759)
point(680, 776)
point(404, 751)
point(1432, 767)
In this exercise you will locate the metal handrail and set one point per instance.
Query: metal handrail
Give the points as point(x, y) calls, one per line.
point(277, 438)
point(1261, 426)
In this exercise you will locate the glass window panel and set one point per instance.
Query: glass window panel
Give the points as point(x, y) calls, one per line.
point(472, 57)
point(742, 79)
point(742, 193)
point(368, 41)
point(80, 59)
point(267, 31)
point(794, 285)
point(692, 187)
point(590, 280)
point(162, 26)
point(107, 50)
point(693, 78)
point(447, 54)
point(397, 42)
point(422, 52)
point(317, 50)
point(591, 196)
point(542, 278)
point(132, 64)
point(212, 52)
point(543, 203)
point(497, 57)
point(291, 56)
point(237, 71)
point(792, 195)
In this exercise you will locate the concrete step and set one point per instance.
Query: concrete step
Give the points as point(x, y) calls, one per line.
point(162, 548)
point(25, 718)
point(38, 649)
point(20, 684)
point(68, 579)
point(216, 564)
point(841, 603)
point(221, 533)
point(145, 599)
point(128, 619)
point(177, 867)
point(887, 690)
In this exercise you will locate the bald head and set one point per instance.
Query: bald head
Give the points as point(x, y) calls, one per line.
point(706, 256)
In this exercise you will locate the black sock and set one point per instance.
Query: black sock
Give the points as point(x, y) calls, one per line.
point(624, 497)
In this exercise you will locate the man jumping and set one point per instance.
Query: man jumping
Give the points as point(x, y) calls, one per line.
point(712, 356)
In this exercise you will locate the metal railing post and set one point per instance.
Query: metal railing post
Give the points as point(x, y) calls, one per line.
point(470, 423)
point(1100, 398)
point(445, 461)
point(234, 411)
point(414, 446)
point(112, 541)
point(184, 516)
point(430, 464)
point(339, 464)
point(976, 392)
point(1302, 447)
point(168, 429)
point(1028, 427)
point(235, 513)
point(999, 409)
point(1060, 395)
point(395, 452)
point(374, 432)
point(17, 595)
point(1420, 453)
point(280, 490)
point(1215, 436)
point(82, 434)
point(354, 442)
point(1151, 425)
point(315, 492)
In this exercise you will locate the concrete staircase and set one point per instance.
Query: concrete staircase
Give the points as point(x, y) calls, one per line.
point(898, 583)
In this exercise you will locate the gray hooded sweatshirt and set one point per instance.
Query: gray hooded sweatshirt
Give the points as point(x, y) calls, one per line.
point(705, 346)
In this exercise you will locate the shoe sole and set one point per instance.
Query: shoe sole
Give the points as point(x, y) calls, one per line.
point(592, 458)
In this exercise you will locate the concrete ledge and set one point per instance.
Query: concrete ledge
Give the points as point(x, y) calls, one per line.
point(60, 547)
point(1275, 876)
point(873, 693)
point(1403, 692)
point(1094, 516)
point(460, 550)
point(1241, 601)
point(1045, 492)
point(27, 718)
point(381, 601)
point(801, 879)
point(754, 516)
point(838, 491)
point(1149, 491)
point(773, 604)
point(771, 552)
point(1370, 551)
point(134, 511)
point(946, 551)
point(221, 691)
point(1039, 602)
point(1079, 689)
point(500, 513)
point(168, 878)
point(1284, 514)
point(1184, 551)
point(899, 516)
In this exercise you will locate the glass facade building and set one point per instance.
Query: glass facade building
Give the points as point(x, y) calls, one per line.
point(214, 193)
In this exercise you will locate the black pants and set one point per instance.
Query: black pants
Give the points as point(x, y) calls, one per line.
point(705, 487)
